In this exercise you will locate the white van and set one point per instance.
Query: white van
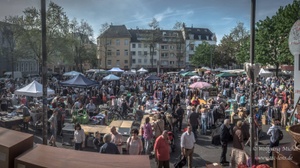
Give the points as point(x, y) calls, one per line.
point(17, 74)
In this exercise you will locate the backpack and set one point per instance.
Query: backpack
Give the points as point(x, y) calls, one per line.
point(279, 135)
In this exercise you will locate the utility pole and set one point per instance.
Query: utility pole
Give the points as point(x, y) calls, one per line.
point(252, 78)
point(44, 71)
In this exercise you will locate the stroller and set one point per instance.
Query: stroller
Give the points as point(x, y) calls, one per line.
point(172, 140)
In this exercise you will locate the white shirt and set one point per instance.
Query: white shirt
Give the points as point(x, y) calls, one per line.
point(187, 140)
point(79, 136)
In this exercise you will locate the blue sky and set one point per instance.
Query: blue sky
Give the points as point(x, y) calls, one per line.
point(220, 16)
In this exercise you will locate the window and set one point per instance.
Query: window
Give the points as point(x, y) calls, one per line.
point(108, 42)
point(126, 61)
point(164, 55)
point(172, 62)
point(145, 61)
point(164, 47)
point(117, 42)
point(108, 52)
point(139, 61)
point(126, 52)
point(126, 42)
point(133, 61)
point(191, 36)
point(133, 53)
point(145, 45)
point(133, 45)
point(118, 63)
point(172, 47)
point(200, 37)
point(109, 62)
point(145, 53)
point(164, 62)
point(207, 37)
point(118, 53)
point(172, 54)
point(192, 47)
point(139, 53)
point(140, 45)
point(125, 67)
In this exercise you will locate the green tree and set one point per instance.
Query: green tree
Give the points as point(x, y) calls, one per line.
point(154, 24)
point(29, 42)
point(232, 43)
point(272, 36)
point(203, 55)
point(178, 25)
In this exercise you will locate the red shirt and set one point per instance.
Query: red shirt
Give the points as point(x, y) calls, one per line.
point(162, 149)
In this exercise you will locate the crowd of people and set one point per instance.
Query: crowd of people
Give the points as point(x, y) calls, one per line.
point(177, 104)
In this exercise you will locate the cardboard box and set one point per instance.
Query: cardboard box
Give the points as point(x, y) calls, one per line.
point(46, 156)
point(13, 144)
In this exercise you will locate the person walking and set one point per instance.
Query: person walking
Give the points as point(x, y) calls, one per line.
point(224, 137)
point(53, 127)
point(179, 112)
point(116, 138)
point(79, 137)
point(194, 121)
point(274, 132)
point(187, 143)
point(146, 129)
point(162, 150)
point(238, 138)
point(158, 126)
point(108, 147)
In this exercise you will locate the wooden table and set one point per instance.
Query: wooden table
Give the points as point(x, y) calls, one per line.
point(286, 156)
point(46, 156)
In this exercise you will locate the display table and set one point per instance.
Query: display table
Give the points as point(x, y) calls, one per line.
point(13, 144)
point(9, 122)
point(45, 156)
point(286, 156)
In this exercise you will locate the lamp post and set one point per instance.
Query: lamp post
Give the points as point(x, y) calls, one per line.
point(44, 71)
point(252, 77)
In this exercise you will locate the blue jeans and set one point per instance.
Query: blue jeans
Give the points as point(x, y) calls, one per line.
point(147, 145)
point(203, 125)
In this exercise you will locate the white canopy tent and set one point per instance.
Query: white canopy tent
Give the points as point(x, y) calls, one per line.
point(142, 70)
point(116, 69)
point(265, 73)
point(72, 73)
point(33, 89)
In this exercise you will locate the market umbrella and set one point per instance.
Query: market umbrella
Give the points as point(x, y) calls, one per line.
point(195, 77)
point(225, 74)
point(207, 72)
point(142, 70)
point(34, 89)
point(152, 78)
point(200, 85)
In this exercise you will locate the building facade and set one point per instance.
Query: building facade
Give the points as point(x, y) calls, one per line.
point(194, 37)
point(113, 48)
point(156, 50)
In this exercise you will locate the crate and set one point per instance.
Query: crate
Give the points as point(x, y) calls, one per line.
point(12, 145)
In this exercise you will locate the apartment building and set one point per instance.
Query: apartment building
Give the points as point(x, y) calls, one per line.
point(144, 48)
point(113, 49)
point(161, 50)
point(194, 37)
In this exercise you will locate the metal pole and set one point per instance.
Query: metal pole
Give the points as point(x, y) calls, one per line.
point(44, 71)
point(252, 54)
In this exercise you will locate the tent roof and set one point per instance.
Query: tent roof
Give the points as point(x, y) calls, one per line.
point(116, 69)
point(225, 74)
point(111, 77)
point(142, 70)
point(34, 89)
point(72, 73)
point(79, 81)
